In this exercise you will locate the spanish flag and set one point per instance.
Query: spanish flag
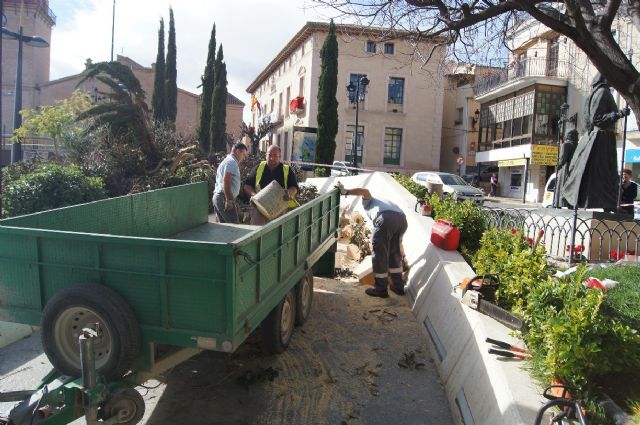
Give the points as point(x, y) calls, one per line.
point(254, 103)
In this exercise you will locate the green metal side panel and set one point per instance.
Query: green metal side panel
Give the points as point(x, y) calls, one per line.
point(273, 260)
point(155, 214)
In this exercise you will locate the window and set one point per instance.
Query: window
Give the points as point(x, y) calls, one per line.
point(286, 105)
point(348, 146)
point(280, 105)
point(458, 119)
point(371, 46)
point(552, 56)
point(301, 87)
point(285, 150)
point(273, 101)
point(392, 145)
point(396, 91)
point(388, 49)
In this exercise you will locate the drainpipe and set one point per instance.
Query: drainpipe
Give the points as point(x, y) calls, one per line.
point(526, 180)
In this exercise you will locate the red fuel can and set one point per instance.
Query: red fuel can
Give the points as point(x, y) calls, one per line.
point(445, 235)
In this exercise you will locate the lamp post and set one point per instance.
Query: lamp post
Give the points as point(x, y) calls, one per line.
point(356, 93)
point(30, 40)
point(561, 129)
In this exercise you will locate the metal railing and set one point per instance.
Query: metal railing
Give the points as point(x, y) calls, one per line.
point(530, 67)
point(598, 238)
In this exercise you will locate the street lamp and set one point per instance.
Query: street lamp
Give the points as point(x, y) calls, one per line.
point(561, 129)
point(356, 93)
point(30, 40)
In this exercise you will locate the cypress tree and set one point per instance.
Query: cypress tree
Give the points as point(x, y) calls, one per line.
point(171, 74)
point(208, 81)
point(158, 99)
point(327, 102)
point(219, 104)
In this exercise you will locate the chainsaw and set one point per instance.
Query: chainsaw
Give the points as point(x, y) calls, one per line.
point(479, 293)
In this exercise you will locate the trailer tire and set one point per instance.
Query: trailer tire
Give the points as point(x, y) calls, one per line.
point(304, 298)
point(277, 327)
point(82, 306)
point(126, 404)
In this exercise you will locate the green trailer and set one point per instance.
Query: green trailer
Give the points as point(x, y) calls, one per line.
point(160, 281)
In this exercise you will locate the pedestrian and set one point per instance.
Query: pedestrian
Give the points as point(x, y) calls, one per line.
point(628, 192)
point(266, 172)
point(494, 185)
point(228, 184)
point(389, 225)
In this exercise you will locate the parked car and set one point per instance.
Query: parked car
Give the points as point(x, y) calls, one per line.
point(339, 168)
point(451, 185)
point(549, 190)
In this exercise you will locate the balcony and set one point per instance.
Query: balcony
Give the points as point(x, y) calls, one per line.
point(527, 68)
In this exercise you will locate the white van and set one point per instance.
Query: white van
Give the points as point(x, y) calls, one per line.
point(549, 190)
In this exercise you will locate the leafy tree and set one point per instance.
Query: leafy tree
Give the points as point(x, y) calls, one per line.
point(219, 104)
point(126, 111)
point(55, 121)
point(158, 98)
point(265, 127)
point(327, 102)
point(476, 25)
point(171, 74)
point(208, 81)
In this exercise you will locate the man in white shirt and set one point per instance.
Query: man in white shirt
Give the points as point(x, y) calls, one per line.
point(228, 184)
point(389, 225)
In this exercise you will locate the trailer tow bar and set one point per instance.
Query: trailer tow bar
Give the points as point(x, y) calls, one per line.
point(89, 376)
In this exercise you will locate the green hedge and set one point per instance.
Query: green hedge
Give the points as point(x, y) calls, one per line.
point(50, 186)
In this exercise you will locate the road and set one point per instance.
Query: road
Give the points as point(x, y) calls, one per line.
point(342, 367)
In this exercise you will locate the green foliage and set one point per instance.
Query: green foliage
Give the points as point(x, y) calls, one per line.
point(208, 84)
point(59, 122)
point(320, 172)
point(158, 99)
point(572, 337)
point(466, 216)
point(417, 190)
point(219, 105)
point(50, 186)
point(126, 113)
point(327, 103)
point(171, 73)
point(519, 266)
point(623, 301)
point(306, 193)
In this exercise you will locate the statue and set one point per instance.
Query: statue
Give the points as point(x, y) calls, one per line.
point(566, 153)
point(593, 177)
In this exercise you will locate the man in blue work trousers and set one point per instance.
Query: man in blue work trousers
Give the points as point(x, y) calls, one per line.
point(263, 174)
point(389, 225)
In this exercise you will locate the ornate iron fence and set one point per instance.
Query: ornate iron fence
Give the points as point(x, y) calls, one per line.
point(596, 237)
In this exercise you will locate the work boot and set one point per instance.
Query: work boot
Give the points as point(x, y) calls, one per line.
point(397, 284)
point(377, 292)
point(379, 288)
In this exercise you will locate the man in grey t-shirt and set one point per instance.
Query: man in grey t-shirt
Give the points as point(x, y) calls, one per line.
point(228, 184)
point(389, 224)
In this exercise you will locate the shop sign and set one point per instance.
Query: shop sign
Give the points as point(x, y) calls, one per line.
point(511, 162)
point(632, 156)
point(544, 155)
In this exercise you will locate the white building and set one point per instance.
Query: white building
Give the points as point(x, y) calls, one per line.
point(401, 116)
point(520, 107)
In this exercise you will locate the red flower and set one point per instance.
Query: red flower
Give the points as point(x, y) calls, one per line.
point(514, 230)
point(540, 233)
point(576, 249)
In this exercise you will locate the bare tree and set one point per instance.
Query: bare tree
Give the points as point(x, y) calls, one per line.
point(265, 128)
point(473, 25)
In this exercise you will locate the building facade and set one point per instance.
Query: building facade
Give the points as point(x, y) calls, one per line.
point(545, 78)
point(399, 122)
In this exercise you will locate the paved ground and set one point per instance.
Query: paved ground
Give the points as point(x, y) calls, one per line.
point(342, 367)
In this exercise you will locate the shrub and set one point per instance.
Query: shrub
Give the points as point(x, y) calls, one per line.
point(572, 337)
point(466, 216)
point(417, 190)
point(51, 186)
point(519, 266)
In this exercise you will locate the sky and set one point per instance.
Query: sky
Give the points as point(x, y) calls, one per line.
point(251, 32)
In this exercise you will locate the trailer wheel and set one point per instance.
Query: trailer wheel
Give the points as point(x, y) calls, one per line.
point(126, 404)
point(304, 298)
point(78, 307)
point(277, 327)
